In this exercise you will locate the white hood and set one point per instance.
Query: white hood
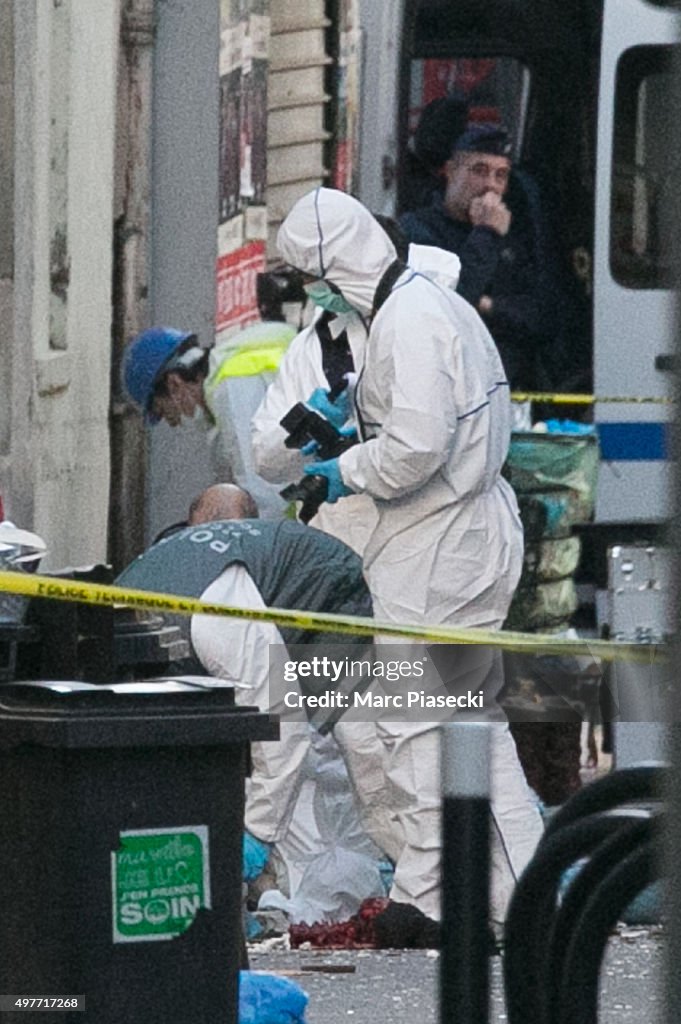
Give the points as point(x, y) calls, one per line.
point(331, 235)
point(438, 265)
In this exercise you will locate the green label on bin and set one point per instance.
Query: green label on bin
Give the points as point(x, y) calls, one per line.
point(159, 879)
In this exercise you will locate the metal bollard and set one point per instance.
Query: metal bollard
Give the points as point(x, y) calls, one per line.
point(464, 957)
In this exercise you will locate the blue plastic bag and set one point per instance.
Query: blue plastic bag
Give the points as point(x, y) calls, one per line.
point(268, 999)
point(569, 427)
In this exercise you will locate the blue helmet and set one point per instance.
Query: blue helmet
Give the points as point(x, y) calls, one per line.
point(145, 358)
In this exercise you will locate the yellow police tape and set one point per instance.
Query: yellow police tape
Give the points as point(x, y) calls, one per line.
point(530, 643)
point(557, 398)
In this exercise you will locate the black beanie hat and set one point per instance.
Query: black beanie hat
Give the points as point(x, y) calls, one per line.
point(442, 121)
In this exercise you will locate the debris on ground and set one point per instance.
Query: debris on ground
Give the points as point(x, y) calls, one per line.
point(379, 924)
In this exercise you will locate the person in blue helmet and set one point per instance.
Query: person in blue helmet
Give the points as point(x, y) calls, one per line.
point(151, 358)
point(170, 377)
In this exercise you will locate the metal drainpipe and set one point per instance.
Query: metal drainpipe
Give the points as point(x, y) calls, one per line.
point(131, 281)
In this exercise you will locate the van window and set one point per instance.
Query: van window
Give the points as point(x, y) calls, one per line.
point(495, 88)
point(642, 170)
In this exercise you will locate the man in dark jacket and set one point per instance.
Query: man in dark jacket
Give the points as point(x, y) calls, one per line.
point(496, 243)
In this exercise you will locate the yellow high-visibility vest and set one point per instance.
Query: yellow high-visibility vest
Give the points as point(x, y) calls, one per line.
point(257, 349)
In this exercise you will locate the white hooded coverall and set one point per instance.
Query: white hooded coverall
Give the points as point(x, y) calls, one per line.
point(241, 653)
point(301, 371)
point(353, 520)
point(434, 412)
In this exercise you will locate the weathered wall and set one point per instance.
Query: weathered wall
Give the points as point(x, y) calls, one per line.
point(296, 104)
point(6, 225)
point(55, 476)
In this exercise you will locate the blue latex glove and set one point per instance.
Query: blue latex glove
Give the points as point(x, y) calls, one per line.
point(335, 412)
point(255, 855)
point(253, 929)
point(331, 470)
point(312, 447)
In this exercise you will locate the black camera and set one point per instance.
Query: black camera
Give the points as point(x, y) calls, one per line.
point(274, 288)
point(304, 425)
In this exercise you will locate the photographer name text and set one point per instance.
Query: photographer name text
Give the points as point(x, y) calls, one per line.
point(370, 700)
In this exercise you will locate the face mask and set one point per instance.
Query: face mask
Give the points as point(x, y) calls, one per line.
point(322, 294)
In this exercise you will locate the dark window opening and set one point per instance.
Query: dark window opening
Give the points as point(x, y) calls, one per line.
point(644, 170)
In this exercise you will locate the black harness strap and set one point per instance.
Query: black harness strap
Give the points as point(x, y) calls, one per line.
point(336, 352)
point(385, 285)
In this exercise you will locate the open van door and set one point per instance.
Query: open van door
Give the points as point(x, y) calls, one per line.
point(634, 312)
point(532, 66)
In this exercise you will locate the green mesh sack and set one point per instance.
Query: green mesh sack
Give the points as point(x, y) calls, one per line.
point(546, 606)
point(549, 560)
point(553, 515)
point(548, 463)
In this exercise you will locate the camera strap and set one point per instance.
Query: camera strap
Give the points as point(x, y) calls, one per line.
point(337, 358)
point(385, 285)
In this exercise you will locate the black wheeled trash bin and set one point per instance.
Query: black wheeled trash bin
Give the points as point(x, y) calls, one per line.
point(122, 814)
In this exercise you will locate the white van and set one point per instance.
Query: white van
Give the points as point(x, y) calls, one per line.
point(585, 88)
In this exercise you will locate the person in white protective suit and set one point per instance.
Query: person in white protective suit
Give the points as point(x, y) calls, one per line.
point(330, 347)
point(312, 362)
point(281, 806)
point(226, 556)
point(433, 409)
point(303, 370)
